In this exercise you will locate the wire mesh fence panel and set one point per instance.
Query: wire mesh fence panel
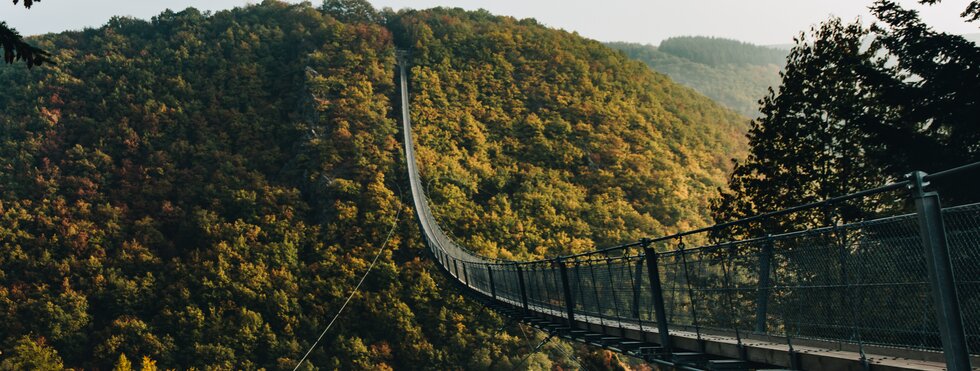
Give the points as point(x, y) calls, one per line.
point(539, 279)
point(577, 287)
point(600, 286)
point(893, 304)
point(479, 279)
point(532, 287)
point(741, 273)
point(677, 296)
point(810, 291)
point(591, 288)
point(558, 292)
point(860, 283)
point(501, 281)
point(617, 288)
point(513, 291)
point(645, 307)
point(546, 275)
point(632, 269)
point(963, 235)
point(705, 275)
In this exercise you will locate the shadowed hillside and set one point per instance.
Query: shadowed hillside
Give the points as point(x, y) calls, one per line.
point(204, 190)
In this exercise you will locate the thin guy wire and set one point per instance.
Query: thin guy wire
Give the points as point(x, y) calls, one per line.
point(356, 288)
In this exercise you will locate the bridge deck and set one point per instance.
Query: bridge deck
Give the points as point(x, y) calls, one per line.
point(761, 350)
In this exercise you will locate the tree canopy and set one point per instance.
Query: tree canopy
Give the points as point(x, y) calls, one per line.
point(536, 142)
point(851, 115)
point(715, 51)
point(738, 83)
point(202, 190)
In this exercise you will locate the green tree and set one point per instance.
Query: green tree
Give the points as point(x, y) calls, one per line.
point(930, 90)
point(30, 354)
point(848, 117)
point(351, 11)
point(123, 364)
point(810, 142)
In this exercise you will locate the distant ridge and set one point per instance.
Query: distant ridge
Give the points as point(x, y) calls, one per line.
point(733, 73)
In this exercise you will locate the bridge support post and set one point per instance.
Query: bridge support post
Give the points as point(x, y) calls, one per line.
point(520, 282)
point(567, 293)
point(653, 272)
point(635, 310)
point(493, 288)
point(466, 279)
point(455, 268)
point(932, 232)
point(762, 300)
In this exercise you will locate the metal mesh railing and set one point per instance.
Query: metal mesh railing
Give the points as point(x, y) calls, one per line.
point(873, 282)
point(963, 232)
point(861, 283)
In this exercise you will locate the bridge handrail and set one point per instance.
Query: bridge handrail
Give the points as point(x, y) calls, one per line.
point(846, 271)
point(906, 183)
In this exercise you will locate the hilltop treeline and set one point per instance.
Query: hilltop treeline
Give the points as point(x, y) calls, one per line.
point(537, 142)
point(203, 190)
point(716, 51)
point(734, 82)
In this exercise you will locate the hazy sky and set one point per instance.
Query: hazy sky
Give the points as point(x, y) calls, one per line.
point(645, 21)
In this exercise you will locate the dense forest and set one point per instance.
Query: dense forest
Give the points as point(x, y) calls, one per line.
point(730, 72)
point(559, 142)
point(203, 190)
point(715, 51)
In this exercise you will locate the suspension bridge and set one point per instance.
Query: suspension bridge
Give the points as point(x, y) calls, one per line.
point(898, 292)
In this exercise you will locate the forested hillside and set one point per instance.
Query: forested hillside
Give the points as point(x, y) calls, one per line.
point(537, 142)
point(732, 73)
point(203, 190)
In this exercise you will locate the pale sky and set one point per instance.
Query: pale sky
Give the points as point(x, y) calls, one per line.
point(645, 21)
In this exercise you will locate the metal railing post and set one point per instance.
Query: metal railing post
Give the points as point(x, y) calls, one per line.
point(567, 292)
point(762, 300)
point(636, 292)
point(466, 279)
point(493, 288)
point(653, 273)
point(933, 235)
point(520, 282)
